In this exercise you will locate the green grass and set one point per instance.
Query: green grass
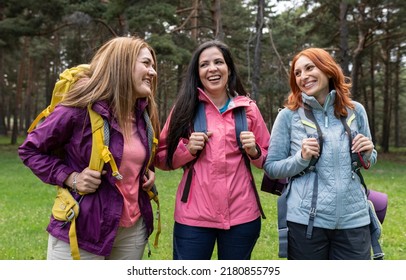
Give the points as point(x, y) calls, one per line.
point(25, 205)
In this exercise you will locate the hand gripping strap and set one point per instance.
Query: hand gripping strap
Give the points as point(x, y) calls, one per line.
point(240, 119)
point(199, 125)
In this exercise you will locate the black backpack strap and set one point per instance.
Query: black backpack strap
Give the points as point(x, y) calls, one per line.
point(199, 125)
point(282, 200)
point(240, 119)
point(282, 222)
point(355, 161)
point(309, 114)
point(374, 226)
point(312, 168)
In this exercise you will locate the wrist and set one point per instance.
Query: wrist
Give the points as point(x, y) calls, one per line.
point(74, 182)
point(257, 154)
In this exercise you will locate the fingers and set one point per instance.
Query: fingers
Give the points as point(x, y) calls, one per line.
point(360, 143)
point(197, 140)
point(247, 139)
point(249, 143)
point(310, 148)
point(88, 181)
point(148, 181)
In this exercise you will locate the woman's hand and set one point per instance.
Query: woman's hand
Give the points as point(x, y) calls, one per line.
point(148, 180)
point(249, 144)
point(310, 148)
point(197, 141)
point(361, 143)
point(87, 181)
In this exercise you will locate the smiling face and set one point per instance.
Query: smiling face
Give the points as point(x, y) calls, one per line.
point(144, 73)
point(310, 79)
point(213, 72)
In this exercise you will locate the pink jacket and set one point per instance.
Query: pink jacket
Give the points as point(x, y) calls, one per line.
point(221, 194)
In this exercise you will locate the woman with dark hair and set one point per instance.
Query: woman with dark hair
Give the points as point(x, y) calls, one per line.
point(327, 210)
point(221, 205)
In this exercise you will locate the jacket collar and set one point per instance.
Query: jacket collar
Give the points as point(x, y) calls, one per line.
point(236, 101)
point(103, 108)
point(313, 103)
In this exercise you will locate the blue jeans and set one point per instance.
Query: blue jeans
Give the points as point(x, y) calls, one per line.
point(197, 243)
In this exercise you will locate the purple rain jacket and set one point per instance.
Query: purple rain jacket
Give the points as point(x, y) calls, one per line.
point(68, 129)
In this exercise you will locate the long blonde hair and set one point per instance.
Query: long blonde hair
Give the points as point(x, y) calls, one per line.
point(110, 78)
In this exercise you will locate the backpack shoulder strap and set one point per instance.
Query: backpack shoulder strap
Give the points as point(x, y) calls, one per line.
point(311, 125)
point(351, 118)
point(100, 153)
point(308, 123)
point(312, 130)
point(240, 119)
point(375, 225)
point(200, 123)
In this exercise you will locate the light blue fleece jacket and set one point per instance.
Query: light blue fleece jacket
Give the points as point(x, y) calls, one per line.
point(341, 200)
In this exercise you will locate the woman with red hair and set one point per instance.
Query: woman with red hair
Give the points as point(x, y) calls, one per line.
point(327, 208)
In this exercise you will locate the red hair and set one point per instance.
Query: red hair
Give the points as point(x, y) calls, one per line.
point(326, 63)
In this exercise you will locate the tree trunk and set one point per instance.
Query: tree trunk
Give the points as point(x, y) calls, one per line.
point(3, 127)
point(28, 96)
point(344, 50)
point(396, 93)
point(371, 111)
point(386, 120)
point(195, 13)
point(18, 93)
point(256, 71)
point(216, 19)
point(357, 54)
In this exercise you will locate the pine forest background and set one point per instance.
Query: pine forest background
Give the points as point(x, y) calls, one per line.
point(39, 39)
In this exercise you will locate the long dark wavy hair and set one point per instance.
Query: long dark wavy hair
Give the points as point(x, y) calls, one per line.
point(186, 103)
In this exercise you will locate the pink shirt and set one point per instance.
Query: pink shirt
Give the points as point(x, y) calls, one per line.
point(133, 159)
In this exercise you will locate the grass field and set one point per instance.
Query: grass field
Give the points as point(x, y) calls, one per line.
point(25, 205)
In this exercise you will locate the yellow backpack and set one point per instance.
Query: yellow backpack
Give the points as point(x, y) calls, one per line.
point(65, 207)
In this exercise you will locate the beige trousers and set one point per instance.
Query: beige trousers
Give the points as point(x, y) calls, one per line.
point(129, 244)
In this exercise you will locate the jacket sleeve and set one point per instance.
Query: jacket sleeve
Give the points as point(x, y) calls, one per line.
point(284, 155)
point(38, 150)
point(258, 126)
point(181, 156)
point(363, 126)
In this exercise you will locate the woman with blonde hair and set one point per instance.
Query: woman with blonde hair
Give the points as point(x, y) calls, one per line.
point(115, 218)
point(327, 210)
